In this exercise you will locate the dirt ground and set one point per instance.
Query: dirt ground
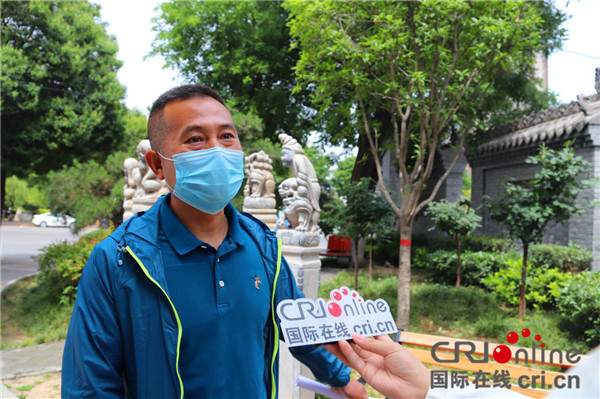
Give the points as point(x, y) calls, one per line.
point(45, 386)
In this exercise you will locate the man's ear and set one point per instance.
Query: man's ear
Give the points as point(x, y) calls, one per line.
point(154, 161)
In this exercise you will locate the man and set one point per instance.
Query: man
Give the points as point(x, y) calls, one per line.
point(179, 301)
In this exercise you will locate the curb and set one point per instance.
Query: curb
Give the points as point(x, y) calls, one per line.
point(5, 393)
point(11, 282)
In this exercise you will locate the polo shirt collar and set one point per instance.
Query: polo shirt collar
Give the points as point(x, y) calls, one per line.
point(183, 241)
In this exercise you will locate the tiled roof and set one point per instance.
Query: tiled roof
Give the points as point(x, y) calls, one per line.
point(562, 121)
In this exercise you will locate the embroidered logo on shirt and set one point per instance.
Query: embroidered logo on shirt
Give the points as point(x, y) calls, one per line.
point(257, 282)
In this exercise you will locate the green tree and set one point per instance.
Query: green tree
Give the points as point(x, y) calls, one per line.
point(457, 219)
point(60, 95)
point(242, 49)
point(526, 209)
point(88, 191)
point(24, 193)
point(92, 191)
point(409, 76)
point(365, 212)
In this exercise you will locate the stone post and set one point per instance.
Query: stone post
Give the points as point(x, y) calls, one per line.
point(300, 245)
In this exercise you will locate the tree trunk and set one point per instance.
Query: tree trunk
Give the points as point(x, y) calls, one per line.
point(360, 251)
point(354, 246)
point(371, 257)
point(404, 275)
point(523, 274)
point(2, 190)
point(459, 263)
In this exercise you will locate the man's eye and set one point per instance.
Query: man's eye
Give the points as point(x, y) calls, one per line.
point(227, 136)
point(194, 140)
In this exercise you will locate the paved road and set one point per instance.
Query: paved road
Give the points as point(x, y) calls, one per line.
point(20, 243)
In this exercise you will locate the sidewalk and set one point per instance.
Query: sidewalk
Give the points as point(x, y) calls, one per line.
point(32, 360)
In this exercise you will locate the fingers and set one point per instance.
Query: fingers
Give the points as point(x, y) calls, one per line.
point(385, 338)
point(354, 360)
point(380, 345)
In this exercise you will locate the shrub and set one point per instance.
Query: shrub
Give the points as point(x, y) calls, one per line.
point(441, 303)
point(572, 258)
point(543, 285)
point(440, 266)
point(579, 303)
point(483, 243)
point(61, 265)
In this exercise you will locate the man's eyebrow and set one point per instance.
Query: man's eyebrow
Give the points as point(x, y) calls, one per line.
point(192, 128)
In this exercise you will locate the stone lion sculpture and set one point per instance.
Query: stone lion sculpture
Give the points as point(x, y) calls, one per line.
point(259, 191)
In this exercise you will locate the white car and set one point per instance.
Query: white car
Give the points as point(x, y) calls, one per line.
point(51, 220)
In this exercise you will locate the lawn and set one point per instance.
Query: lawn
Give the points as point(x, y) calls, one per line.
point(29, 318)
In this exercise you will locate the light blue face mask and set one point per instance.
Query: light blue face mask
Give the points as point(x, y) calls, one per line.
point(208, 179)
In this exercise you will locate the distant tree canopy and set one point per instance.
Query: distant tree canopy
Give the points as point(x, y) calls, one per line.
point(60, 96)
point(241, 49)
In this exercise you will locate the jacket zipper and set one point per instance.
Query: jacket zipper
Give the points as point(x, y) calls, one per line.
point(139, 262)
point(276, 344)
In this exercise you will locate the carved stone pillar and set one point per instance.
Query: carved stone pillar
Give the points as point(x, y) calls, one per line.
point(300, 245)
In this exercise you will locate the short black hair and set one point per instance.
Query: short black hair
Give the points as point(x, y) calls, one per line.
point(157, 128)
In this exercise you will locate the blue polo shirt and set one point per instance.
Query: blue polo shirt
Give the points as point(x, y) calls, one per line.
point(222, 297)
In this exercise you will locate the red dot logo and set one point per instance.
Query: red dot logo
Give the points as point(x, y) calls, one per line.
point(512, 337)
point(336, 295)
point(543, 345)
point(525, 332)
point(354, 295)
point(502, 354)
point(334, 309)
point(344, 291)
point(538, 337)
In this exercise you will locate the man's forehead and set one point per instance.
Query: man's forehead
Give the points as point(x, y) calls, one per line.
point(197, 105)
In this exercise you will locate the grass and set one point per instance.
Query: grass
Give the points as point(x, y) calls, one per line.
point(466, 312)
point(29, 318)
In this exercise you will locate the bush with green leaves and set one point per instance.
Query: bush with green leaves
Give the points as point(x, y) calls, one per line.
point(457, 219)
point(61, 265)
point(525, 210)
point(480, 242)
point(440, 266)
point(544, 285)
point(573, 258)
point(579, 303)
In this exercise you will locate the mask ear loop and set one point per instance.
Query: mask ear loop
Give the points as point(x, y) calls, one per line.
point(168, 159)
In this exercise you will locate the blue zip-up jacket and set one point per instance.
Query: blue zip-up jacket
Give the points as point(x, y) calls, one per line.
point(124, 335)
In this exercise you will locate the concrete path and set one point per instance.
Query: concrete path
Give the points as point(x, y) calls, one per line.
point(32, 360)
point(5, 393)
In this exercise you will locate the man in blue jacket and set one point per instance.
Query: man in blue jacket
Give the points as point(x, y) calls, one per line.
point(179, 301)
